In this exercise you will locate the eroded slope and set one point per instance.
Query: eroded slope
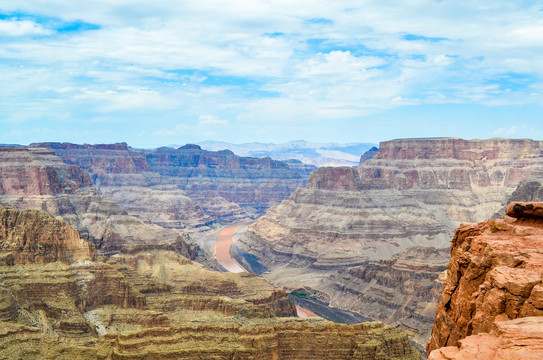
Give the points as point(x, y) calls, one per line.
point(154, 303)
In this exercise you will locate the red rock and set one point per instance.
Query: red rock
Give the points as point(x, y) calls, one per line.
point(335, 179)
point(495, 275)
point(519, 339)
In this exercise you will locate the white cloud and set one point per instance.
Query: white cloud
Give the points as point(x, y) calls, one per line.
point(211, 119)
point(264, 60)
point(21, 28)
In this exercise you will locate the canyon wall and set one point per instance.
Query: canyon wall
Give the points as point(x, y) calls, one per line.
point(412, 192)
point(492, 300)
point(188, 187)
point(253, 183)
point(34, 178)
point(402, 290)
point(154, 303)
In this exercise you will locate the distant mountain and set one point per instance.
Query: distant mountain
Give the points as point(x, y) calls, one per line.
point(318, 154)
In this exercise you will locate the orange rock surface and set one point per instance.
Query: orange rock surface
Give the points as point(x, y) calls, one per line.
point(519, 339)
point(494, 280)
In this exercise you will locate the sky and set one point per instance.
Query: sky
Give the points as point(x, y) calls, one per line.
point(152, 73)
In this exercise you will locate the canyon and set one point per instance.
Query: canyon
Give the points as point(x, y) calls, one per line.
point(59, 299)
point(35, 178)
point(337, 235)
point(120, 269)
point(188, 186)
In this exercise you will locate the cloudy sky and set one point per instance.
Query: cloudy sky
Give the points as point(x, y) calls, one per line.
point(160, 72)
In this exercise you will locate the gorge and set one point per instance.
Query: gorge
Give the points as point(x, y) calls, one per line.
point(337, 234)
point(372, 239)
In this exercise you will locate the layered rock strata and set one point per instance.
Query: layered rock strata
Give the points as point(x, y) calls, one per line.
point(154, 303)
point(403, 290)
point(188, 187)
point(412, 192)
point(495, 275)
point(36, 237)
point(519, 339)
point(34, 178)
point(255, 183)
point(123, 175)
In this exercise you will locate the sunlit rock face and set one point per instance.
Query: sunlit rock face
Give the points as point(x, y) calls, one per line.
point(493, 297)
point(412, 192)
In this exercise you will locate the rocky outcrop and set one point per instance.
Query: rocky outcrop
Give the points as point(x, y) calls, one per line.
point(36, 237)
point(288, 340)
point(519, 339)
point(368, 155)
point(525, 210)
point(152, 302)
point(50, 276)
point(413, 192)
point(495, 275)
point(34, 178)
point(123, 175)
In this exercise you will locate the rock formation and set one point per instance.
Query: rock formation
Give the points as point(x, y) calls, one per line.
point(254, 183)
point(34, 178)
point(519, 339)
point(124, 176)
point(495, 278)
point(368, 155)
point(402, 291)
point(36, 237)
point(188, 187)
point(151, 302)
point(413, 192)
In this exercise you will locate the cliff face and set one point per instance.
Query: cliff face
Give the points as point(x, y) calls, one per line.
point(188, 187)
point(34, 178)
point(153, 303)
point(255, 183)
point(124, 176)
point(403, 290)
point(50, 277)
point(495, 276)
point(412, 192)
point(36, 237)
point(519, 339)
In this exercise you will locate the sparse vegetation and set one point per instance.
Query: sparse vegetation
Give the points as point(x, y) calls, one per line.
point(497, 226)
point(302, 295)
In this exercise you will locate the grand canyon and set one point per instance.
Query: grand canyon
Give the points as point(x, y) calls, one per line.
point(428, 247)
point(271, 180)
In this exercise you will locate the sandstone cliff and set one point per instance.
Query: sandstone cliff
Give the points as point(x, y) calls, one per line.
point(152, 302)
point(123, 175)
point(34, 178)
point(495, 276)
point(413, 192)
point(36, 237)
point(255, 183)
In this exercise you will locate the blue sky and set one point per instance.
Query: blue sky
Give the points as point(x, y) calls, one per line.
point(160, 72)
